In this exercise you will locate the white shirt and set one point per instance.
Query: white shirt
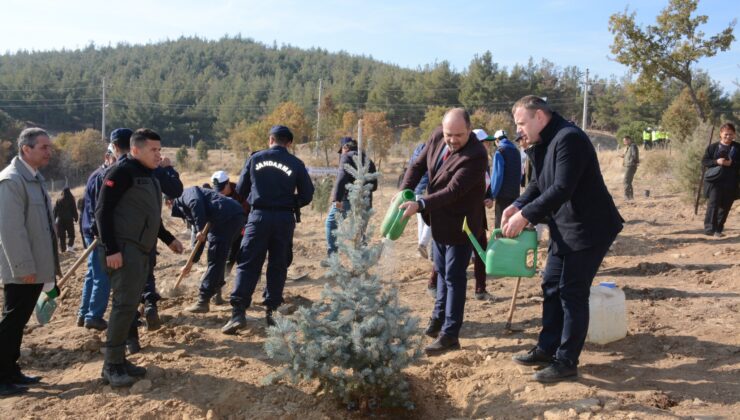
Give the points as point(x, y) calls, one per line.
point(30, 169)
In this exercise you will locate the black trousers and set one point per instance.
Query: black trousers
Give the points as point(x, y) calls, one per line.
point(66, 233)
point(719, 203)
point(566, 284)
point(20, 300)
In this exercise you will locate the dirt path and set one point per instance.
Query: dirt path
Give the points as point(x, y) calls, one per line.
point(681, 357)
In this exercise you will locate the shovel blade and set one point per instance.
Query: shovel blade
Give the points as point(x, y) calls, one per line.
point(45, 308)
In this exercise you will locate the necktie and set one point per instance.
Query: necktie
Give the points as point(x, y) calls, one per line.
point(445, 154)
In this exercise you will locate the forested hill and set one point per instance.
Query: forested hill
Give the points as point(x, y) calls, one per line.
point(202, 88)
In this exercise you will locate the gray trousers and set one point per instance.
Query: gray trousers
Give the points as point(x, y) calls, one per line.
point(629, 175)
point(127, 284)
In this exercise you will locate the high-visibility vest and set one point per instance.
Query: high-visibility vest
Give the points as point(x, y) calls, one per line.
point(645, 135)
point(654, 136)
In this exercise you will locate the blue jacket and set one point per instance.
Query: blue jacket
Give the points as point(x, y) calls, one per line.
point(90, 197)
point(506, 171)
point(270, 179)
point(421, 187)
point(568, 191)
point(201, 205)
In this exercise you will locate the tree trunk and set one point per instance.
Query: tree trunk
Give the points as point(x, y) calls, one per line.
point(695, 100)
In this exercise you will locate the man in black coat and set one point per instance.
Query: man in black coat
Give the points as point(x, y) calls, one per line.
point(339, 197)
point(721, 190)
point(568, 191)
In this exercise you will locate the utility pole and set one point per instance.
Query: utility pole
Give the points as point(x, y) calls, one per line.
point(585, 102)
point(359, 139)
point(318, 118)
point(102, 125)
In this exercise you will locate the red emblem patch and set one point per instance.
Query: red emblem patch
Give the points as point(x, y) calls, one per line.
point(109, 183)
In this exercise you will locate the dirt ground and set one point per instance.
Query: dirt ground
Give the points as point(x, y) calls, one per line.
point(681, 358)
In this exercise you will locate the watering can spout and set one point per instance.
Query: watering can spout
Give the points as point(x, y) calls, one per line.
point(476, 245)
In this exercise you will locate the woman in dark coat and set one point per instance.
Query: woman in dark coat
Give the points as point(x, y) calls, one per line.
point(721, 188)
point(65, 216)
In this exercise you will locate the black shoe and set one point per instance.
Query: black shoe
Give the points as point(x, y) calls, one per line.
point(441, 345)
point(269, 320)
point(23, 380)
point(133, 370)
point(115, 374)
point(217, 299)
point(199, 307)
point(434, 327)
point(80, 321)
point(236, 323)
point(7, 389)
point(151, 315)
point(96, 324)
point(534, 357)
point(557, 371)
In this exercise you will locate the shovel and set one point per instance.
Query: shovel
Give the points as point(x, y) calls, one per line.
point(507, 327)
point(46, 304)
point(191, 261)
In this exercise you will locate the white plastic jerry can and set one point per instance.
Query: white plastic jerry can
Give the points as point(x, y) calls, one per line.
point(608, 314)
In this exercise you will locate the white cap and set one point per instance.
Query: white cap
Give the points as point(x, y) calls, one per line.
point(499, 134)
point(481, 134)
point(219, 177)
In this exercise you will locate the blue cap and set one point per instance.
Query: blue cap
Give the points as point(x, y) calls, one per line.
point(121, 137)
point(281, 131)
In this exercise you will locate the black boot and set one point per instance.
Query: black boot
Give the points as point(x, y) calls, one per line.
point(199, 307)
point(115, 374)
point(434, 327)
point(133, 370)
point(237, 322)
point(151, 314)
point(269, 320)
point(132, 342)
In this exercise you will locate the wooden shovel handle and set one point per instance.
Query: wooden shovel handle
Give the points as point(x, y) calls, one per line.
point(513, 304)
point(77, 263)
point(191, 259)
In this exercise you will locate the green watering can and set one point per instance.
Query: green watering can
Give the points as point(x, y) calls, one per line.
point(394, 222)
point(508, 257)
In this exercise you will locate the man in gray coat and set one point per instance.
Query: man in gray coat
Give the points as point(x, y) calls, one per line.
point(29, 260)
point(631, 159)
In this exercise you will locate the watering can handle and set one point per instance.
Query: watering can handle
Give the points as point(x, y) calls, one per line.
point(497, 233)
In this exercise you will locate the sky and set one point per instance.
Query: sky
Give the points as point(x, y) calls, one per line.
point(406, 33)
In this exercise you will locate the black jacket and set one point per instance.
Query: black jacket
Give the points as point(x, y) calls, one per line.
point(567, 188)
point(339, 192)
point(730, 175)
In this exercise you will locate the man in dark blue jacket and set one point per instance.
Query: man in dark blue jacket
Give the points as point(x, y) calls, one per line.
point(568, 190)
point(506, 175)
point(95, 287)
point(199, 206)
point(339, 198)
point(277, 185)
